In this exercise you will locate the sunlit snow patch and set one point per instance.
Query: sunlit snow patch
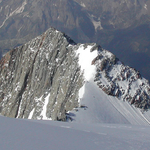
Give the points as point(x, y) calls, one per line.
point(43, 113)
point(31, 114)
point(95, 105)
point(85, 59)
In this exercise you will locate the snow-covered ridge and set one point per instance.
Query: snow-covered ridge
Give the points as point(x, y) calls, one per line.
point(112, 92)
point(113, 77)
point(124, 82)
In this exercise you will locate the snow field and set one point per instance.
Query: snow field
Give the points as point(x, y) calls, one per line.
point(19, 134)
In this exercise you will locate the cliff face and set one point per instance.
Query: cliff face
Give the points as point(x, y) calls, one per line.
point(41, 74)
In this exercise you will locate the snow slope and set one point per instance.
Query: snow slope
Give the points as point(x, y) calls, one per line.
point(98, 107)
point(17, 134)
point(101, 108)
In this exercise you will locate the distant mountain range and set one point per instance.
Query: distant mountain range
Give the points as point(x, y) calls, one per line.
point(120, 26)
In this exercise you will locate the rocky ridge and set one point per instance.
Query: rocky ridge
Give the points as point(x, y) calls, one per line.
point(43, 73)
point(121, 81)
point(42, 78)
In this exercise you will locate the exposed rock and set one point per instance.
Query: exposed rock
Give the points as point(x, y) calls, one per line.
point(45, 69)
point(116, 79)
point(41, 79)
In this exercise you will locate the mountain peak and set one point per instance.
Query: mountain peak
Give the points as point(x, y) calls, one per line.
point(46, 78)
point(39, 70)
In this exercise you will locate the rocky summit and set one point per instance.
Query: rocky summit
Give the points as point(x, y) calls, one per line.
point(42, 79)
point(42, 73)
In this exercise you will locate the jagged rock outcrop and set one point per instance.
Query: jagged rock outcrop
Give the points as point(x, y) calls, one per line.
point(42, 75)
point(121, 81)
